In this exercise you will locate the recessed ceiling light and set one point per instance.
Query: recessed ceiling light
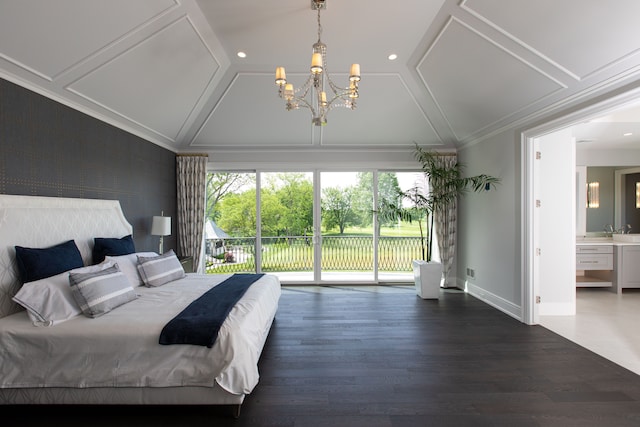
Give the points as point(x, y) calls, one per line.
point(392, 57)
point(242, 54)
point(627, 134)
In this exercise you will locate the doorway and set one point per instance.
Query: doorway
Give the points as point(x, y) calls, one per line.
point(532, 295)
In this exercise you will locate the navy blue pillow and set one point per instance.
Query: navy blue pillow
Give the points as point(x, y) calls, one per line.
point(38, 263)
point(103, 246)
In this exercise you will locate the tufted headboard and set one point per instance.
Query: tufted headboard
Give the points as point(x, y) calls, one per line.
point(40, 222)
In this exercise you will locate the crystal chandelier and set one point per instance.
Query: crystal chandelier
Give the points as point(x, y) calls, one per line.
point(319, 94)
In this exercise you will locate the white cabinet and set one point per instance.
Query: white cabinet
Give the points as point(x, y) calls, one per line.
point(594, 265)
point(628, 266)
point(615, 266)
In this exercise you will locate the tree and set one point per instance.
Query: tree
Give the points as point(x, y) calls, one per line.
point(336, 207)
point(362, 200)
point(237, 213)
point(388, 190)
point(219, 184)
point(294, 192)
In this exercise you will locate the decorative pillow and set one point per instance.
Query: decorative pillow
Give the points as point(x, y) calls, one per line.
point(100, 292)
point(128, 264)
point(161, 269)
point(49, 301)
point(39, 263)
point(103, 246)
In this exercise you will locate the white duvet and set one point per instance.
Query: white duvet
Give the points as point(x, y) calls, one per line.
point(120, 348)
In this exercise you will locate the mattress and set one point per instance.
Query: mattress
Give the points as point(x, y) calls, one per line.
point(121, 349)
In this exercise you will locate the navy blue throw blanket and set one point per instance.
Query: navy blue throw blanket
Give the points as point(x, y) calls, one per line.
point(200, 321)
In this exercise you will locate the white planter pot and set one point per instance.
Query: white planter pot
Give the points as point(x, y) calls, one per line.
point(428, 276)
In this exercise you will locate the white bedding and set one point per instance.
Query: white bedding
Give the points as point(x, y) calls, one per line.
point(120, 349)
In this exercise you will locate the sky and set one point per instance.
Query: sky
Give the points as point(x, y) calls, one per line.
point(344, 179)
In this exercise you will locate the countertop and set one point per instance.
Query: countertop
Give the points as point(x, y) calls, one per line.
point(603, 241)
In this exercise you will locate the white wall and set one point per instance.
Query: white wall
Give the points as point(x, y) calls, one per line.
point(327, 159)
point(495, 240)
point(607, 157)
point(489, 225)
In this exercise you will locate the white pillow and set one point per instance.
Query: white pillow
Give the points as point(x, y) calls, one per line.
point(128, 264)
point(49, 301)
point(99, 292)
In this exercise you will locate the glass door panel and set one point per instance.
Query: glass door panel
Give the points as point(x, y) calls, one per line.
point(286, 225)
point(230, 223)
point(399, 242)
point(346, 200)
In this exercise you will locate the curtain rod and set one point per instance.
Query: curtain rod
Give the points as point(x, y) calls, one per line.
point(435, 153)
point(192, 155)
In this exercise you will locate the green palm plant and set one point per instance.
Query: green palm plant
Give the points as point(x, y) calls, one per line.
point(446, 184)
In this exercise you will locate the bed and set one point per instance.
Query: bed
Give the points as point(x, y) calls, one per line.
point(115, 356)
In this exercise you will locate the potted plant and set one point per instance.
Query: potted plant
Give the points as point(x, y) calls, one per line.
point(445, 184)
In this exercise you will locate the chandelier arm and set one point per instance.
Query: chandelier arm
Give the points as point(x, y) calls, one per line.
point(337, 97)
point(304, 89)
point(334, 87)
point(346, 104)
point(306, 104)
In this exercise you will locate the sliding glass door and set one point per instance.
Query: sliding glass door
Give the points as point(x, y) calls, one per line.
point(346, 227)
point(310, 226)
point(286, 225)
point(399, 242)
point(230, 223)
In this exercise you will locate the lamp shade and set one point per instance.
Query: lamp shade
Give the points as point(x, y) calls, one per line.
point(161, 226)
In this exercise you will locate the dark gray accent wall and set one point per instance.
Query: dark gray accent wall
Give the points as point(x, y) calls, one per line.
point(49, 149)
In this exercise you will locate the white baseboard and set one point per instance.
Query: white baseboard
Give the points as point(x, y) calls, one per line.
point(493, 300)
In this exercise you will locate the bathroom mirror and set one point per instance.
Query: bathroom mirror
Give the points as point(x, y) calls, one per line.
point(618, 194)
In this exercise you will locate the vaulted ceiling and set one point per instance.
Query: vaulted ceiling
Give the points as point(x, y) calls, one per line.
point(168, 70)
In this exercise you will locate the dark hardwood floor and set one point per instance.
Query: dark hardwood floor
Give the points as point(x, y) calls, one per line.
point(357, 358)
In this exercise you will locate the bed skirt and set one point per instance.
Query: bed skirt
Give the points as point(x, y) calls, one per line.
point(120, 396)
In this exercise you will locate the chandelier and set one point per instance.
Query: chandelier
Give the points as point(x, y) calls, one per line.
point(319, 94)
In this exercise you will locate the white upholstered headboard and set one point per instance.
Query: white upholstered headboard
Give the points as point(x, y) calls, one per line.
point(40, 222)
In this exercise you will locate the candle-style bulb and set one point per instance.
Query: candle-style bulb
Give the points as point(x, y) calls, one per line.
point(281, 76)
point(354, 74)
point(316, 63)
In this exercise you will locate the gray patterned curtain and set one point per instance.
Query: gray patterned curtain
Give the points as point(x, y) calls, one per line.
point(444, 219)
point(191, 172)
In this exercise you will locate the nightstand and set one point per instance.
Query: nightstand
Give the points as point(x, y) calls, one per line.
point(187, 263)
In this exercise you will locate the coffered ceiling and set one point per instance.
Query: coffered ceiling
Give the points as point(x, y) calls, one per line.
point(168, 71)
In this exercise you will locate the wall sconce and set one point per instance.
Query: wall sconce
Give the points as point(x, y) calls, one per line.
point(637, 195)
point(161, 226)
point(593, 195)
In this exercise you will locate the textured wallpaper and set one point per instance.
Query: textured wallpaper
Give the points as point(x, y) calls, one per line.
point(49, 149)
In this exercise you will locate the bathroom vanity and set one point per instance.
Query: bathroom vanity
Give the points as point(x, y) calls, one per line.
point(612, 262)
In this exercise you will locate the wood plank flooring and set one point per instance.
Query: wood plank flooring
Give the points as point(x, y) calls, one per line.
point(352, 357)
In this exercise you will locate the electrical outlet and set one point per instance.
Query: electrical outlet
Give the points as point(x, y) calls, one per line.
point(470, 272)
